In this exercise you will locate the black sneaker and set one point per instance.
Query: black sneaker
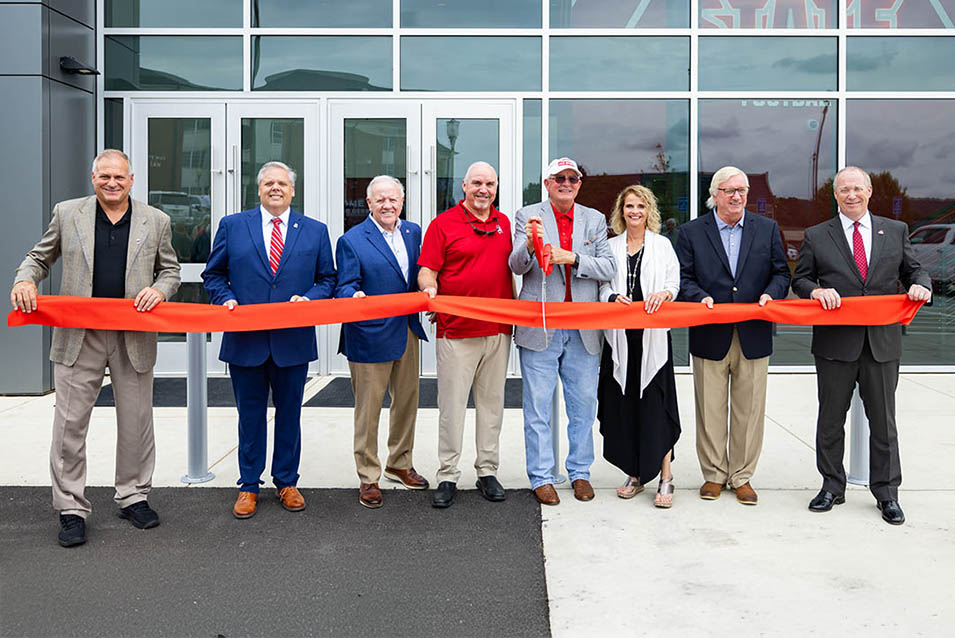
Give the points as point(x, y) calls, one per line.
point(72, 530)
point(140, 515)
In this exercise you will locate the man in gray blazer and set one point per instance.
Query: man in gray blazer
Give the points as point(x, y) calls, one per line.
point(854, 254)
point(582, 260)
point(112, 246)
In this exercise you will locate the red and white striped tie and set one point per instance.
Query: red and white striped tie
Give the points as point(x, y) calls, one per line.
point(276, 245)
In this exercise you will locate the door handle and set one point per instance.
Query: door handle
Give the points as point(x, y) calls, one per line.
point(412, 170)
point(430, 169)
point(236, 179)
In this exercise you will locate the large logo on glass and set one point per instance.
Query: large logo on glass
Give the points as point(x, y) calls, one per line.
point(808, 14)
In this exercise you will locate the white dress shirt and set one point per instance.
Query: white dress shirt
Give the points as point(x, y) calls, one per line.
point(865, 229)
point(267, 226)
point(396, 243)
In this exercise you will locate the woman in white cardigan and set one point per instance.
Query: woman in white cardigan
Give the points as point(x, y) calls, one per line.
point(637, 405)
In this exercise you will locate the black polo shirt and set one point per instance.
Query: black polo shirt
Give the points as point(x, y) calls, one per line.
point(109, 254)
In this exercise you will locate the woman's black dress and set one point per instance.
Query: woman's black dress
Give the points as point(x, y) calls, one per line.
point(637, 432)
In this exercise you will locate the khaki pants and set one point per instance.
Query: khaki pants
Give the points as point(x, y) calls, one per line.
point(369, 382)
point(737, 385)
point(77, 387)
point(478, 364)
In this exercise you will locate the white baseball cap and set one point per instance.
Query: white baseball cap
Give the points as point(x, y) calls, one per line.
point(561, 164)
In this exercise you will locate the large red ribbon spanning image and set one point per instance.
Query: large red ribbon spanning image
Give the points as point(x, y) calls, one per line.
point(120, 314)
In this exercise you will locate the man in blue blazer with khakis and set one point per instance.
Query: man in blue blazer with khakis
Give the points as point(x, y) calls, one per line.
point(380, 257)
point(730, 256)
point(265, 255)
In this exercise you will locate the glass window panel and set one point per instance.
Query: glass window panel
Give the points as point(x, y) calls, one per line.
point(768, 64)
point(889, 14)
point(623, 142)
point(533, 138)
point(321, 63)
point(900, 64)
point(173, 13)
point(321, 13)
point(372, 147)
point(113, 123)
point(460, 144)
point(494, 14)
point(611, 63)
point(269, 140)
point(912, 176)
point(507, 63)
point(763, 14)
point(788, 150)
point(179, 179)
point(169, 63)
point(619, 14)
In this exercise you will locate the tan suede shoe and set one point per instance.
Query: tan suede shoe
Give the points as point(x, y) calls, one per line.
point(710, 491)
point(746, 495)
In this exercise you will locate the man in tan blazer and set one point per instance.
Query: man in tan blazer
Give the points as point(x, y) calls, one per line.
point(111, 246)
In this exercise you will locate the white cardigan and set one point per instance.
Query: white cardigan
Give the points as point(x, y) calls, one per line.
point(659, 271)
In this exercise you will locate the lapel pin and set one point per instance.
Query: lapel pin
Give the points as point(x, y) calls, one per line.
point(139, 241)
point(295, 225)
point(407, 232)
point(881, 232)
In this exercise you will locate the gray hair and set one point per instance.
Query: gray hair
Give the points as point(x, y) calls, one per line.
point(380, 179)
point(865, 176)
point(291, 174)
point(719, 177)
point(110, 152)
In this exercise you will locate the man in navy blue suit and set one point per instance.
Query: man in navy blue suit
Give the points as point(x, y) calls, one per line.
point(730, 256)
point(380, 257)
point(264, 255)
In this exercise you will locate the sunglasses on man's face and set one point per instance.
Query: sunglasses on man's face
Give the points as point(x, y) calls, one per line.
point(560, 179)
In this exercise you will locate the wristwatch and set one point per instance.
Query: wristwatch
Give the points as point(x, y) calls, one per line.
point(576, 261)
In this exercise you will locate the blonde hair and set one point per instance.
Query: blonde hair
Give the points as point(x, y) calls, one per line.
point(617, 222)
point(719, 177)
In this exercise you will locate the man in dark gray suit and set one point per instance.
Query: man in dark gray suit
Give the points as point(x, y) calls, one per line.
point(856, 254)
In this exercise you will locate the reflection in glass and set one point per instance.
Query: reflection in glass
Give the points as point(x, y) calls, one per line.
point(507, 63)
point(169, 63)
point(760, 14)
point(179, 181)
point(495, 14)
point(533, 138)
point(788, 150)
point(460, 144)
point(321, 63)
point(270, 140)
point(619, 14)
point(372, 147)
point(611, 63)
point(173, 13)
point(900, 64)
point(189, 292)
point(912, 176)
point(321, 13)
point(113, 123)
point(935, 14)
point(768, 64)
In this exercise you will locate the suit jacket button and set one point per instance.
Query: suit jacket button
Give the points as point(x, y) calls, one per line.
point(735, 289)
point(273, 286)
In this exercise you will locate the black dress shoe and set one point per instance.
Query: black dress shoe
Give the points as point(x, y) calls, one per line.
point(72, 530)
point(891, 512)
point(490, 488)
point(825, 500)
point(140, 515)
point(444, 495)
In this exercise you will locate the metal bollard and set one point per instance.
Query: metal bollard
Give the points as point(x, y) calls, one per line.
point(197, 402)
point(555, 435)
point(858, 441)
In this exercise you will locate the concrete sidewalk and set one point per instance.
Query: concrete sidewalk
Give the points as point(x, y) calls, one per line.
point(622, 567)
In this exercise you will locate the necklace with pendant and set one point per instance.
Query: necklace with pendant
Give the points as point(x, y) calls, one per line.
point(632, 273)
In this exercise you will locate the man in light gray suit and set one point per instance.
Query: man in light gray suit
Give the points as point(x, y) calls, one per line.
point(582, 260)
point(112, 246)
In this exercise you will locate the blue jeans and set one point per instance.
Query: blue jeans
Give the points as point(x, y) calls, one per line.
point(578, 369)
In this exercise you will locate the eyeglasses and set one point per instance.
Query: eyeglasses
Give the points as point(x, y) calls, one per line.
point(729, 192)
point(560, 179)
point(484, 231)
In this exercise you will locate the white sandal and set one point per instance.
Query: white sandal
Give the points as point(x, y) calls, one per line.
point(665, 488)
point(630, 488)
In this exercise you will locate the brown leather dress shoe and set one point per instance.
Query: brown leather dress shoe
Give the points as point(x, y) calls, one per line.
point(710, 491)
point(745, 494)
point(369, 495)
point(245, 505)
point(409, 478)
point(583, 490)
point(547, 495)
point(292, 499)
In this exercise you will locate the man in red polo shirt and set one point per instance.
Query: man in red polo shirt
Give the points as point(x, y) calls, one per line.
point(465, 253)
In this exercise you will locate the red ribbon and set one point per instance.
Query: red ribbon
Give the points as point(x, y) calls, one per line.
point(121, 314)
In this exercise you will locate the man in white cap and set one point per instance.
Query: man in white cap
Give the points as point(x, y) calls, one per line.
point(582, 259)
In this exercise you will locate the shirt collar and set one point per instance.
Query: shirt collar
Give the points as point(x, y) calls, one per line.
point(865, 221)
point(720, 224)
point(380, 227)
point(569, 213)
point(468, 215)
point(267, 216)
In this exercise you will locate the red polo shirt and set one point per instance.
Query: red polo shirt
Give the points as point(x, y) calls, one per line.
point(565, 229)
point(470, 257)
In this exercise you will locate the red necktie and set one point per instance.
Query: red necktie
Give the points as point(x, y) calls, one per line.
point(858, 250)
point(275, 248)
